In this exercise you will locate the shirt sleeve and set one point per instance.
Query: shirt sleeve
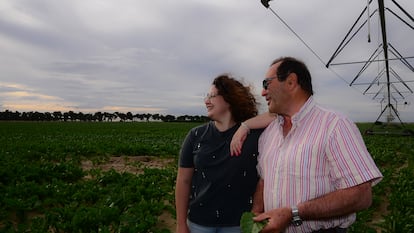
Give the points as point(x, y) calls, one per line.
point(188, 147)
point(186, 153)
point(351, 163)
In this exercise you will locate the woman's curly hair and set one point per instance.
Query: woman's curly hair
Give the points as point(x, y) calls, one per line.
point(243, 104)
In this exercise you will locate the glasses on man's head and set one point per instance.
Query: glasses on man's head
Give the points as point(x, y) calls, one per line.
point(210, 95)
point(266, 82)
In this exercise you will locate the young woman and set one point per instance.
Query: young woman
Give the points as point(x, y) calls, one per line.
point(213, 189)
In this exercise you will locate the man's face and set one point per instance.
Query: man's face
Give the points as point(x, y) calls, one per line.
point(275, 94)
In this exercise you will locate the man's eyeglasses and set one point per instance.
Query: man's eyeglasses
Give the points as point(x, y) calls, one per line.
point(266, 82)
point(210, 95)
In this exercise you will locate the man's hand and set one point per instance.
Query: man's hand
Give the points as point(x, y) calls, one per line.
point(278, 219)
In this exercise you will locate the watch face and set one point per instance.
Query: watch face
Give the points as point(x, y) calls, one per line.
point(297, 222)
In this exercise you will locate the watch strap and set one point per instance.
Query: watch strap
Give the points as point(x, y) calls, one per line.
point(296, 220)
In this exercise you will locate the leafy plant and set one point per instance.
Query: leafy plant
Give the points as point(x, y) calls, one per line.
point(248, 225)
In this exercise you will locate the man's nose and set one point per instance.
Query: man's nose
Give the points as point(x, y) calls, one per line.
point(264, 92)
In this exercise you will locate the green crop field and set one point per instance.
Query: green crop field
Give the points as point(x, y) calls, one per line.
point(43, 187)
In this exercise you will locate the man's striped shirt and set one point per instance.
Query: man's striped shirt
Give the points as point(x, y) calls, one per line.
point(323, 152)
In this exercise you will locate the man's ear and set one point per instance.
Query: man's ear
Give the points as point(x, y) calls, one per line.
point(292, 80)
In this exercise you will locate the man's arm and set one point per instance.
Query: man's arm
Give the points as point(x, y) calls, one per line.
point(338, 203)
point(258, 204)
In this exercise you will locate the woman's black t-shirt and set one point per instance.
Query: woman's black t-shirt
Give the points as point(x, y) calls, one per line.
point(222, 185)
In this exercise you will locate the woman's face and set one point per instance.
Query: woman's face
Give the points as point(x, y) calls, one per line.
point(215, 104)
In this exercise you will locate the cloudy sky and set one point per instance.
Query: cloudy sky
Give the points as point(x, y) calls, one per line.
point(161, 56)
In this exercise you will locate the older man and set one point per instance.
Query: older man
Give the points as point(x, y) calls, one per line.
point(316, 172)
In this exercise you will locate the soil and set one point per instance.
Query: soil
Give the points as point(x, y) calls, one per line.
point(135, 165)
point(130, 164)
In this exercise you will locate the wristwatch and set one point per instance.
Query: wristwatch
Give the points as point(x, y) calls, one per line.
point(296, 220)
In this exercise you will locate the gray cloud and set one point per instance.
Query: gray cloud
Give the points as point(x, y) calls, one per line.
point(161, 56)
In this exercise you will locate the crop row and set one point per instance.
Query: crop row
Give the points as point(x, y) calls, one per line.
point(392, 210)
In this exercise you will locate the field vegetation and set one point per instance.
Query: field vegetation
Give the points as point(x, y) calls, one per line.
point(45, 187)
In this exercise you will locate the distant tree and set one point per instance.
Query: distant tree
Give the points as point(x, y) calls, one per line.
point(156, 117)
point(15, 116)
point(39, 116)
point(139, 116)
point(48, 116)
point(8, 115)
point(129, 116)
point(80, 116)
point(72, 115)
point(65, 116)
point(109, 116)
point(121, 116)
point(88, 117)
point(98, 116)
point(24, 116)
point(57, 116)
point(168, 118)
point(147, 116)
point(200, 119)
point(181, 118)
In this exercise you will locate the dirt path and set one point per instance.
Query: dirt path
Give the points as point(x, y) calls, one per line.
point(131, 164)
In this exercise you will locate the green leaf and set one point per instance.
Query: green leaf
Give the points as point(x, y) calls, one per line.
point(248, 225)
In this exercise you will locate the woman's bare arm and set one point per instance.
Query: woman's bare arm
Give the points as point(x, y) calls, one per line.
point(257, 122)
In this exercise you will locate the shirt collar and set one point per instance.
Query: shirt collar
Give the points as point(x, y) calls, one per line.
point(303, 111)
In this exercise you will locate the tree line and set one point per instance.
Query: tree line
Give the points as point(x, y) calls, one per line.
point(8, 115)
